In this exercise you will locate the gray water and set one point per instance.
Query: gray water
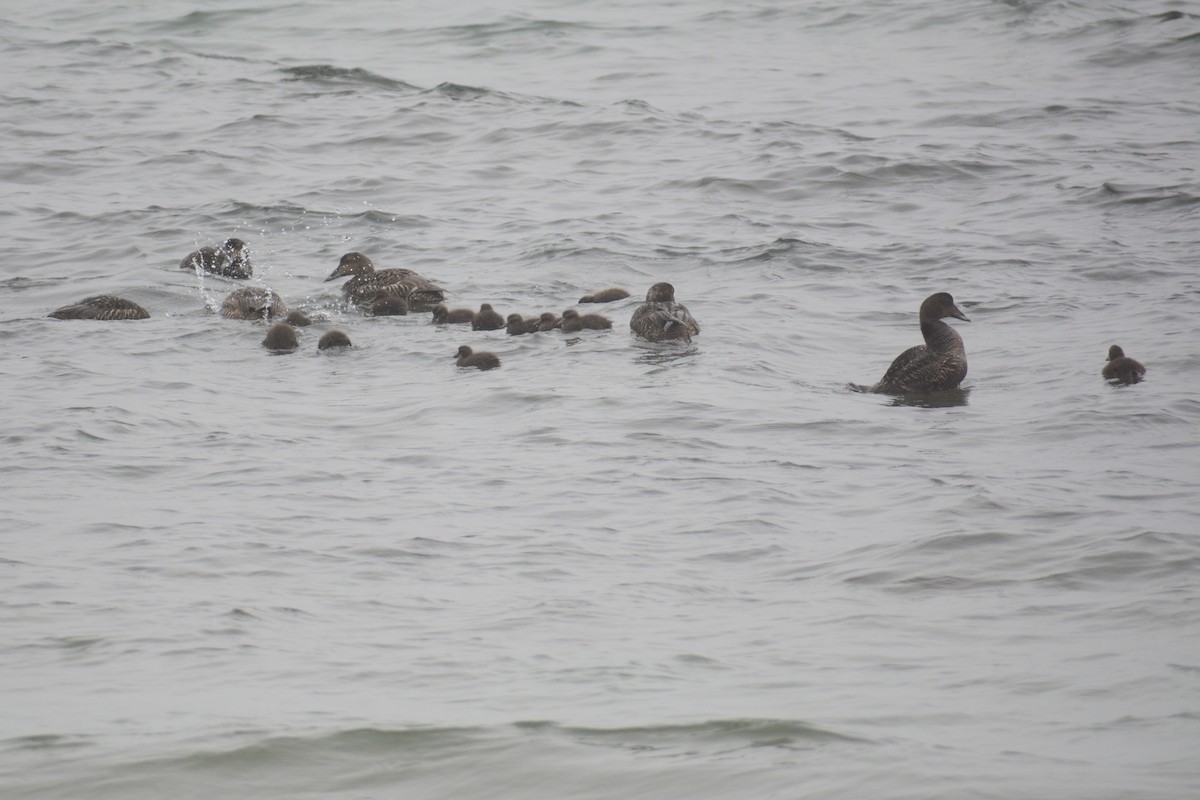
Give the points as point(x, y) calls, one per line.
point(608, 569)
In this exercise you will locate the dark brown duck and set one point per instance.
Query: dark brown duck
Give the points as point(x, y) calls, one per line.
point(230, 260)
point(253, 302)
point(661, 319)
point(469, 358)
point(103, 307)
point(367, 284)
point(548, 321)
point(389, 306)
point(936, 366)
point(1121, 368)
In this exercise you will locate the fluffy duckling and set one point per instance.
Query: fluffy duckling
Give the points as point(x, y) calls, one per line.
point(1121, 368)
point(488, 319)
point(469, 358)
point(604, 296)
point(572, 321)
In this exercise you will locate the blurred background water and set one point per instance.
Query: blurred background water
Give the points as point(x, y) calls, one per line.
point(609, 568)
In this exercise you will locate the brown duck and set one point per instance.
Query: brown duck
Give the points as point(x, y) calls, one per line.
point(368, 284)
point(936, 366)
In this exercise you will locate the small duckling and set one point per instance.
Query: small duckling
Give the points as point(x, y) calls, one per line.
point(389, 306)
point(572, 322)
point(548, 321)
point(281, 337)
point(518, 325)
point(333, 339)
point(459, 316)
point(103, 307)
point(298, 319)
point(1121, 368)
point(469, 358)
point(604, 296)
point(487, 319)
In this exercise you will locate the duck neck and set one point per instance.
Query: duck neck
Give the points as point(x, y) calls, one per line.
point(941, 337)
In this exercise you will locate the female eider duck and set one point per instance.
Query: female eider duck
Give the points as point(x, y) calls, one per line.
point(253, 302)
point(466, 357)
point(369, 284)
point(487, 319)
point(230, 260)
point(604, 296)
point(281, 337)
point(661, 319)
point(102, 306)
point(1121, 368)
point(572, 321)
point(936, 366)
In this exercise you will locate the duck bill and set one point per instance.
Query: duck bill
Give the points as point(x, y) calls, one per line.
point(337, 273)
point(958, 314)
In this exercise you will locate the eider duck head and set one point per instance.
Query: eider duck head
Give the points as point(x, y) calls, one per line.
point(940, 305)
point(352, 264)
point(661, 293)
point(1115, 352)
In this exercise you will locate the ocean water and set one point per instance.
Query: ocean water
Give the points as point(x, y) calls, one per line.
point(609, 568)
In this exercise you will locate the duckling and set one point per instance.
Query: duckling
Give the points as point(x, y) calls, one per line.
point(487, 319)
point(1121, 368)
point(469, 358)
point(604, 296)
point(572, 321)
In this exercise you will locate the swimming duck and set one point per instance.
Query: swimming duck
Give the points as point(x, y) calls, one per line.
point(102, 306)
point(661, 319)
point(572, 321)
point(333, 339)
point(444, 316)
point(487, 319)
point(469, 358)
point(369, 284)
point(604, 296)
point(281, 336)
point(389, 305)
point(298, 319)
point(231, 260)
point(548, 321)
point(1121, 368)
point(936, 366)
point(253, 302)
point(517, 325)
